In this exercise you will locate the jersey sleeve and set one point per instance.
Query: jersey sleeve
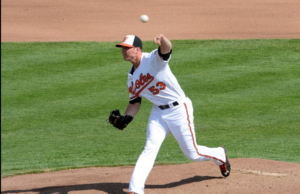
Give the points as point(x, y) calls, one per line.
point(166, 56)
point(135, 100)
point(158, 60)
point(132, 97)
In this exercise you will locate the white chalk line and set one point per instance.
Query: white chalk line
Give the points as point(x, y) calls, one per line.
point(262, 173)
point(266, 173)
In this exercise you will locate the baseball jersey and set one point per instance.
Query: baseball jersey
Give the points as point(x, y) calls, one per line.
point(154, 80)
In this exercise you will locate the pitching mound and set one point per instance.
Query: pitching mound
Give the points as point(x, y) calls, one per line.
point(247, 176)
point(94, 20)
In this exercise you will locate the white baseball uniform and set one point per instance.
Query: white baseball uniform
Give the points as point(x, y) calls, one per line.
point(154, 80)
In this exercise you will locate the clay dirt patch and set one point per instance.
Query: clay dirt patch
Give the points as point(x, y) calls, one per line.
point(247, 176)
point(93, 20)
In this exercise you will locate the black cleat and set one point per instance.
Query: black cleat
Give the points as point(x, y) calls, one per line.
point(225, 168)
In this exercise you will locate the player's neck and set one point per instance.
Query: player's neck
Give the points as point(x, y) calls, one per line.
point(135, 66)
point(136, 62)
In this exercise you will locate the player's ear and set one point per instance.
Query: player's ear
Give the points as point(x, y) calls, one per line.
point(138, 49)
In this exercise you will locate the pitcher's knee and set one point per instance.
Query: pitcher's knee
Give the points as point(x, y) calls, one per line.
point(193, 156)
point(150, 148)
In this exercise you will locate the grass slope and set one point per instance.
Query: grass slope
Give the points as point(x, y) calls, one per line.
point(56, 98)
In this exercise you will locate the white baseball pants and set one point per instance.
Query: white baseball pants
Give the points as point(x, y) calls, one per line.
point(178, 120)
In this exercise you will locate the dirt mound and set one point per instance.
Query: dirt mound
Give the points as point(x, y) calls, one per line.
point(247, 176)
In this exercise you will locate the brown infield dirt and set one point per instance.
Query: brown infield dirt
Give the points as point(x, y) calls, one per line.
point(111, 20)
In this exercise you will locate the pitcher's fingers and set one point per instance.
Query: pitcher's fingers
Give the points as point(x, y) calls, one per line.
point(157, 40)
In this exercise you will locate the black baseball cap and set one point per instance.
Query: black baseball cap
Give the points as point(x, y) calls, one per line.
point(131, 41)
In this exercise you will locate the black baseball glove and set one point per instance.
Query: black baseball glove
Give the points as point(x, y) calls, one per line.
point(119, 121)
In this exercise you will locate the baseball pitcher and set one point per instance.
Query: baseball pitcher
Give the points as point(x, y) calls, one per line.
point(150, 77)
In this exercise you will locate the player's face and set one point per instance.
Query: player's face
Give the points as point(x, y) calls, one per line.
point(129, 53)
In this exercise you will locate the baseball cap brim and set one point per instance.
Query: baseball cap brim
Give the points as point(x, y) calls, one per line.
point(124, 45)
point(131, 41)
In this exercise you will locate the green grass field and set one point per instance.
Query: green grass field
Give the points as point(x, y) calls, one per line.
point(56, 98)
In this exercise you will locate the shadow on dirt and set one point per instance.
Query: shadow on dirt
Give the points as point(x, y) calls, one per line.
point(110, 188)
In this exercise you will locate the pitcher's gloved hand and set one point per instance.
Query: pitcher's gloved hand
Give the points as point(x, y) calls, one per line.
point(119, 121)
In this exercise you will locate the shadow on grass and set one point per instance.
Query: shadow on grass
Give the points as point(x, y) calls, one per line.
point(110, 188)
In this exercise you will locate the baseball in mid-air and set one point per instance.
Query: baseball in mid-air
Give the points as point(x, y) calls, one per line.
point(144, 18)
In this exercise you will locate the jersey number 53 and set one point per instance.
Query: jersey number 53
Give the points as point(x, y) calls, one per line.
point(155, 89)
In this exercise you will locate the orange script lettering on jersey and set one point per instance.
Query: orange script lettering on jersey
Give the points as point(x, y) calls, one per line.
point(140, 84)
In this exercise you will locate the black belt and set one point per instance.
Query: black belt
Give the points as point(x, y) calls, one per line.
point(162, 107)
